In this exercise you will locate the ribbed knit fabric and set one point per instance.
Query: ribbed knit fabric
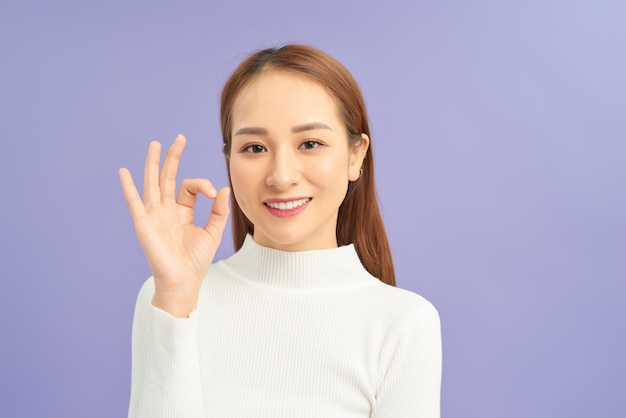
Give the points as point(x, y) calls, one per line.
point(281, 334)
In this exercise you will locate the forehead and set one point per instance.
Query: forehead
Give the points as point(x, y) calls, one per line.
point(275, 96)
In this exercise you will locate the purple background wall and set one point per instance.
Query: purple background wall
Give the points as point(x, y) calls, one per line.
point(500, 137)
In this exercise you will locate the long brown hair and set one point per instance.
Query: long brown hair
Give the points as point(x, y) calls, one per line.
point(359, 220)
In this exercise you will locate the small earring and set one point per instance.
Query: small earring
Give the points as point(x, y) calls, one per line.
point(360, 173)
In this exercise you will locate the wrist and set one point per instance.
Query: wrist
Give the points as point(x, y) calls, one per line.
point(176, 303)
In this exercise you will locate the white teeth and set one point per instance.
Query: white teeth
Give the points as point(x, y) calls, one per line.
point(288, 205)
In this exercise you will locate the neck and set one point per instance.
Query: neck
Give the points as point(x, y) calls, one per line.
point(333, 268)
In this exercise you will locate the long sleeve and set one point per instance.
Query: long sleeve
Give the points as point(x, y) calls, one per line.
point(411, 384)
point(165, 365)
point(288, 334)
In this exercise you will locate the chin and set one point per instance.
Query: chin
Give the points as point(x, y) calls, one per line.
point(293, 241)
point(286, 241)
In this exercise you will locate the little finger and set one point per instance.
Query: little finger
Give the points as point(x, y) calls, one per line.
point(131, 194)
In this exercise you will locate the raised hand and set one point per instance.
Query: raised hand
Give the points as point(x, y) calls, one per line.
point(179, 253)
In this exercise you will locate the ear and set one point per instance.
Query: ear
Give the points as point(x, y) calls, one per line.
point(357, 155)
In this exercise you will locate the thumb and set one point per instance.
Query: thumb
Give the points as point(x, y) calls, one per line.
point(219, 215)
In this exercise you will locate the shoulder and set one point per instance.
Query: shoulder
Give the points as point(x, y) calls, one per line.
point(392, 314)
point(401, 304)
point(410, 322)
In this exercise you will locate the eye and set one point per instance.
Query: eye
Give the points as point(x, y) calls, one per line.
point(310, 144)
point(254, 148)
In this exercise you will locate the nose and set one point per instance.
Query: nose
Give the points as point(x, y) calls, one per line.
point(284, 170)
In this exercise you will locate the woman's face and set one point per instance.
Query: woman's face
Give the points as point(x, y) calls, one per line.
point(290, 161)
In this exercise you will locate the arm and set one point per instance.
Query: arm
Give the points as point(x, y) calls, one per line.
point(411, 384)
point(165, 367)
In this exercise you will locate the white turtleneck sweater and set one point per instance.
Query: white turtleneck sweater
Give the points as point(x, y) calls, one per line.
point(288, 334)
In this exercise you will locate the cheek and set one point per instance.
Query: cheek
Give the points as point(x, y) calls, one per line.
point(331, 168)
point(242, 180)
point(332, 173)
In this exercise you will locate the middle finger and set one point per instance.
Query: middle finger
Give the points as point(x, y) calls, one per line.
point(167, 179)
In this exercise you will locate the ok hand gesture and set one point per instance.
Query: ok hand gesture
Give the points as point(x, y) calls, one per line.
point(179, 253)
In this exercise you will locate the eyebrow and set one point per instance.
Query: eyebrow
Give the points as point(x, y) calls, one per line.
point(309, 127)
point(251, 131)
point(296, 129)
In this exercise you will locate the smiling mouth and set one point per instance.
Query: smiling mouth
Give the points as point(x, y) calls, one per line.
point(288, 205)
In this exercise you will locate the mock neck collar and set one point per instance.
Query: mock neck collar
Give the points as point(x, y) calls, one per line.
point(333, 268)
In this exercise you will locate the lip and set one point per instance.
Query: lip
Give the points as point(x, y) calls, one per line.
point(286, 213)
point(289, 199)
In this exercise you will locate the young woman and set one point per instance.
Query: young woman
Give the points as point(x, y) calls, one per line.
point(304, 319)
